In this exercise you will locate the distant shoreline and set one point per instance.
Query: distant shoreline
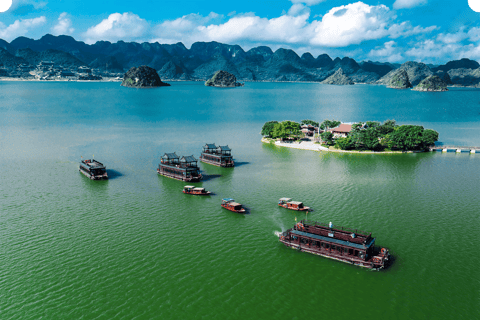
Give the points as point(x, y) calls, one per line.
point(193, 80)
point(320, 148)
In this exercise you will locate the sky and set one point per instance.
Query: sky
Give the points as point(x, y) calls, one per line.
point(431, 31)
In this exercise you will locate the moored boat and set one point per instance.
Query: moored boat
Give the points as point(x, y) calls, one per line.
point(292, 205)
point(230, 204)
point(93, 169)
point(185, 168)
point(195, 191)
point(220, 156)
point(343, 244)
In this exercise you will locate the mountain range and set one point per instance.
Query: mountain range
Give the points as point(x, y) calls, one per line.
point(203, 59)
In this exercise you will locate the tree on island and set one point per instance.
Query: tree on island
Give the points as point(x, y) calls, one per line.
point(286, 129)
point(328, 124)
point(309, 122)
point(327, 137)
point(267, 129)
point(410, 137)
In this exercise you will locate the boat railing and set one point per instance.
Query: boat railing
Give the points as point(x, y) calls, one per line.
point(321, 224)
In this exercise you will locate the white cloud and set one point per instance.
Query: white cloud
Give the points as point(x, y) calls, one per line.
point(308, 2)
point(23, 7)
point(352, 24)
point(389, 52)
point(405, 29)
point(64, 25)
point(20, 27)
point(126, 26)
point(402, 4)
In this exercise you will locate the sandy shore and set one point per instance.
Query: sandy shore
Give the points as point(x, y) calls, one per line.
point(310, 145)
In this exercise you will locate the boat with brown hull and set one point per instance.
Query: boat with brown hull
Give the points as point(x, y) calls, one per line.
point(287, 203)
point(195, 191)
point(184, 169)
point(93, 169)
point(343, 244)
point(220, 156)
point(230, 204)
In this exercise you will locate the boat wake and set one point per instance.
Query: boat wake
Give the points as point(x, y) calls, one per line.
point(277, 233)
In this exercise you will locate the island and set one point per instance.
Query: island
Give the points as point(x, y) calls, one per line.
point(223, 79)
point(431, 83)
point(338, 78)
point(333, 135)
point(400, 80)
point(142, 77)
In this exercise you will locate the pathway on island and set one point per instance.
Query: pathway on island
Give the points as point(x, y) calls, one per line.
point(305, 145)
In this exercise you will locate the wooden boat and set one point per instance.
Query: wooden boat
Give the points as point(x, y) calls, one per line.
point(231, 205)
point(218, 156)
point(343, 244)
point(292, 205)
point(185, 168)
point(93, 169)
point(195, 191)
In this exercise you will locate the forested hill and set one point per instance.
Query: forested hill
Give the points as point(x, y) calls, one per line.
point(203, 59)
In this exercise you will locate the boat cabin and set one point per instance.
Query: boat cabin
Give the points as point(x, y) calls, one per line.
point(195, 190)
point(93, 169)
point(219, 156)
point(230, 204)
point(293, 205)
point(340, 243)
point(185, 168)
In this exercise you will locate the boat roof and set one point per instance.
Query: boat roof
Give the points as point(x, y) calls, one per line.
point(93, 164)
point(337, 241)
point(199, 189)
point(170, 156)
point(235, 204)
point(188, 187)
point(225, 148)
point(188, 158)
point(296, 202)
point(228, 200)
point(210, 146)
point(285, 199)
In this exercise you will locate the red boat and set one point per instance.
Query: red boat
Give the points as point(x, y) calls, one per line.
point(231, 205)
point(292, 205)
point(195, 191)
point(344, 244)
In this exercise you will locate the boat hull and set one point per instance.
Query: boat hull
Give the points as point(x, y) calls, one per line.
point(233, 210)
point(92, 177)
point(369, 264)
point(296, 209)
point(176, 177)
point(198, 194)
point(223, 165)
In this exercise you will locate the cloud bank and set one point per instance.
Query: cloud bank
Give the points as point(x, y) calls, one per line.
point(20, 27)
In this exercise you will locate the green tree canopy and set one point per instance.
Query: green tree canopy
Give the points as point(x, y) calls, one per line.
point(267, 128)
point(286, 129)
point(327, 136)
point(327, 124)
point(311, 122)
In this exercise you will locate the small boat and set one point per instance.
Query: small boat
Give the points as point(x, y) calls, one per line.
point(293, 205)
point(93, 169)
point(195, 191)
point(231, 205)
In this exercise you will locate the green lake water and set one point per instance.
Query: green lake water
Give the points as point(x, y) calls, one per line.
point(136, 247)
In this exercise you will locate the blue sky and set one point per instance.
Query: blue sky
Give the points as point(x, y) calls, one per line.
point(432, 31)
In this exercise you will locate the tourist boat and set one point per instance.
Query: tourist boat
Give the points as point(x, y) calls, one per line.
point(93, 169)
point(344, 244)
point(231, 205)
point(185, 168)
point(293, 205)
point(195, 191)
point(220, 156)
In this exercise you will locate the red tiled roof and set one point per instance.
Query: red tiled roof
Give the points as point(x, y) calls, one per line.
point(343, 128)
